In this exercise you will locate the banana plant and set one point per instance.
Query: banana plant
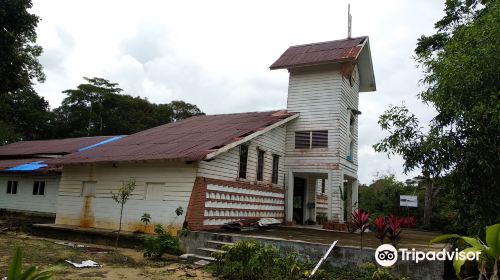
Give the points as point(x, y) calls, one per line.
point(16, 272)
point(490, 252)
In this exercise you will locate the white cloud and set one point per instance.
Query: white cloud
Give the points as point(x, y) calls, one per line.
point(216, 54)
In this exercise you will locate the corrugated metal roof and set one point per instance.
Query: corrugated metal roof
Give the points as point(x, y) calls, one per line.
point(54, 147)
point(320, 53)
point(190, 139)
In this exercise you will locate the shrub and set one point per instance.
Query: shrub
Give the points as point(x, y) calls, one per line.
point(163, 242)
point(380, 228)
point(394, 229)
point(253, 261)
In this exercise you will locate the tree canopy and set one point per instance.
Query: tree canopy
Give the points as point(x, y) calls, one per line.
point(461, 69)
point(25, 115)
point(98, 108)
point(19, 53)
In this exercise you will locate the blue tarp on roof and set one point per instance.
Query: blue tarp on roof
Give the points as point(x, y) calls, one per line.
point(113, 139)
point(28, 166)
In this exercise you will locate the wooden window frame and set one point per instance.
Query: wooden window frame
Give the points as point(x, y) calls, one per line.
point(261, 154)
point(243, 163)
point(314, 136)
point(323, 186)
point(276, 166)
point(12, 187)
point(39, 188)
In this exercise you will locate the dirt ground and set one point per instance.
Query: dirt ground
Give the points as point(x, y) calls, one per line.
point(117, 263)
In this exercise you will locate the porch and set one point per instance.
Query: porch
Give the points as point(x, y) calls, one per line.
point(320, 195)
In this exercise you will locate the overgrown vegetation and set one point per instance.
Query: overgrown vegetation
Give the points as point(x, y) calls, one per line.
point(160, 243)
point(250, 260)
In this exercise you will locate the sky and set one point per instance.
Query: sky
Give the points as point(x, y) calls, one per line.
point(216, 54)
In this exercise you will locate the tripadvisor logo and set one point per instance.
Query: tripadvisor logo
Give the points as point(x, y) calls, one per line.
point(387, 255)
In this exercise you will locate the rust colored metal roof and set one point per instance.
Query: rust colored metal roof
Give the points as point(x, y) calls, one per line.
point(49, 147)
point(189, 140)
point(320, 53)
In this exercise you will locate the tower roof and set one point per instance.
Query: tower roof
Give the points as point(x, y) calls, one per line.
point(355, 50)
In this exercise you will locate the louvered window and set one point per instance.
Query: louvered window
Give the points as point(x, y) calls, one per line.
point(311, 139)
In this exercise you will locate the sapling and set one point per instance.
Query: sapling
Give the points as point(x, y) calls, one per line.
point(121, 197)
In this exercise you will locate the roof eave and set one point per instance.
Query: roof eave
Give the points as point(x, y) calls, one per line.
point(365, 68)
point(249, 137)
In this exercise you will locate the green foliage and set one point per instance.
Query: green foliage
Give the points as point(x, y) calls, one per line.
point(248, 259)
point(160, 243)
point(98, 108)
point(121, 197)
point(381, 197)
point(146, 219)
point(179, 211)
point(251, 260)
point(386, 274)
point(16, 266)
point(461, 65)
point(18, 52)
point(489, 261)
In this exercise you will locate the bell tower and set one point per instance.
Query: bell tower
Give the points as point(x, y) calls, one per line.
point(321, 144)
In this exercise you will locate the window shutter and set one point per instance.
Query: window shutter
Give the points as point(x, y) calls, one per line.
point(302, 139)
point(320, 139)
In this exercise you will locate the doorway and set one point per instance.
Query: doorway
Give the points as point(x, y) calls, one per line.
point(299, 186)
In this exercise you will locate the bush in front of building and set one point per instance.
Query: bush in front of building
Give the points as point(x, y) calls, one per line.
point(160, 243)
point(250, 260)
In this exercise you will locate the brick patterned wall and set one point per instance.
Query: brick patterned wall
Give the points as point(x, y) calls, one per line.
point(214, 202)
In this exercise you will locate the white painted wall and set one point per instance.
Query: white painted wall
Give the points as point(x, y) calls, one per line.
point(24, 200)
point(178, 179)
point(225, 166)
point(322, 96)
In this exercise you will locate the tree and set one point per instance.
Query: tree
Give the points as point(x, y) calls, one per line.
point(121, 197)
point(418, 149)
point(18, 52)
point(182, 110)
point(25, 115)
point(460, 65)
point(98, 107)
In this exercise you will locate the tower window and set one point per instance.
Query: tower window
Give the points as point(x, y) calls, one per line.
point(243, 161)
point(260, 165)
point(311, 139)
point(276, 163)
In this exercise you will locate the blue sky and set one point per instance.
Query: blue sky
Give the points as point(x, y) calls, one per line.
point(216, 54)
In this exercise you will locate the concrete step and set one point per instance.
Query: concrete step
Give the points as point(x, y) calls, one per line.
point(217, 244)
point(208, 251)
point(195, 257)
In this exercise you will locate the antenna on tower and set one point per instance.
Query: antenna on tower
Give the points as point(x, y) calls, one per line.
point(349, 20)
